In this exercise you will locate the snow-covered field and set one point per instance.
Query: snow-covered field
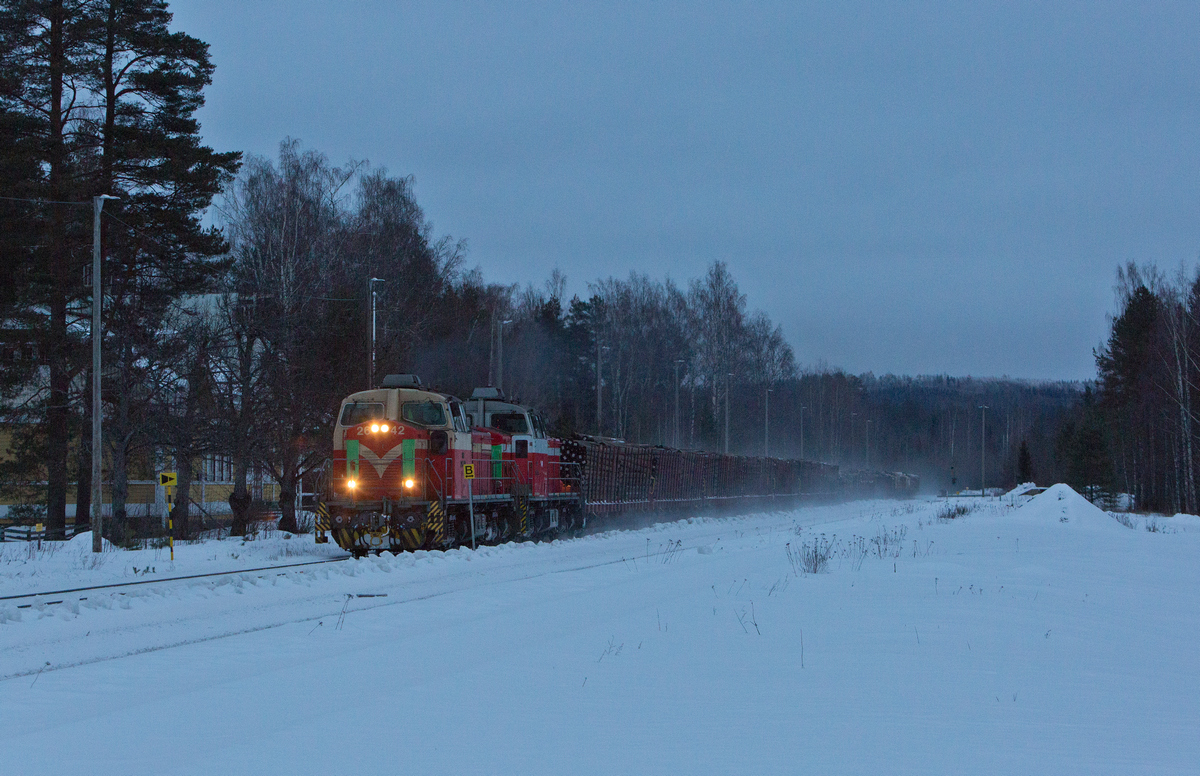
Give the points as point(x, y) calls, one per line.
point(1037, 638)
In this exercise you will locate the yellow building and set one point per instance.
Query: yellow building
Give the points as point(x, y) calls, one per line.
point(211, 485)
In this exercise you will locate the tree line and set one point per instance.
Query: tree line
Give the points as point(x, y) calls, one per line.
point(1137, 432)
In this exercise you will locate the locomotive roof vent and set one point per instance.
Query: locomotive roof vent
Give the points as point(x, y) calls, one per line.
point(402, 381)
point(490, 392)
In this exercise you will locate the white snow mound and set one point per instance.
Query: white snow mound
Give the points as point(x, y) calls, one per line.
point(1185, 522)
point(1062, 504)
point(1021, 489)
point(84, 540)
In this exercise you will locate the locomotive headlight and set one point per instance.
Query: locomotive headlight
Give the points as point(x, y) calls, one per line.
point(351, 484)
point(374, 428)
point(383, 428)
point(409, 483)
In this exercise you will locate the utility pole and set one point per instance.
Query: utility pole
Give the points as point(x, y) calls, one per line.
point(767, 423)
point(678, 361)
point(802, 409)
point(727, 376)
point(983, 408)
point(371, 283)
point(599, 391)
point(500, 358)
point(492, 352)
point(868, 454)
point(97, 338)
point(850, 454)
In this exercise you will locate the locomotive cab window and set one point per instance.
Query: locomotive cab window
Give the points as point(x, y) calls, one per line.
point(456, 412)
point(510, 422)
point(424, 413)
point(356, 412)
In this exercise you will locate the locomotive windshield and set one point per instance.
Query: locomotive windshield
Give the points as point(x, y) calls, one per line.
point(424, 413)
point(456, 414)
point(357, 411)
point(510, 422)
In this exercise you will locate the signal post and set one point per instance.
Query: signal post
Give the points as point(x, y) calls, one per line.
point(168, 481)
point(469, 476)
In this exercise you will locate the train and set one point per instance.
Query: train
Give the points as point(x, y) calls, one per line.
point(415, 468)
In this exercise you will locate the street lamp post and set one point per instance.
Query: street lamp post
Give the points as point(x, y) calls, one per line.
point(599, 390)
point(678, 361)
point(983, 408)
point(371, 283)
point(500, 357)
point(767, 423)
point(850, 453)
point(728, 375)
point(97, 338)
point(802, 409)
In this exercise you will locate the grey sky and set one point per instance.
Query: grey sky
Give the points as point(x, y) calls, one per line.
point(908, 188)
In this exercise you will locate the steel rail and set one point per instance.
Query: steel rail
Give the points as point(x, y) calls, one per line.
point(170, 579)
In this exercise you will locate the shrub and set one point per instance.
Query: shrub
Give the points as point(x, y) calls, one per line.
point(305, 522)
point(951, 511)
point(27, 514)
point(812, 557)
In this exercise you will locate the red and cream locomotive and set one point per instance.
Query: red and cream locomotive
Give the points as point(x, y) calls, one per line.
point(416, 468)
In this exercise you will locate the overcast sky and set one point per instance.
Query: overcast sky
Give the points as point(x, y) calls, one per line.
point(913, 188)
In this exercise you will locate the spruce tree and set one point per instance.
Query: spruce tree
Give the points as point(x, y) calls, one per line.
point(150, 82)
point(45, 47)
point(1024, 464)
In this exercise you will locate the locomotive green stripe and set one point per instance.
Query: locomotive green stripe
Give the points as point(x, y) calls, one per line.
point(408, 454)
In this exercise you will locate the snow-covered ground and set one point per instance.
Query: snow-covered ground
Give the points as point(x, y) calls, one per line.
point(1028, 636)
point(32, 567)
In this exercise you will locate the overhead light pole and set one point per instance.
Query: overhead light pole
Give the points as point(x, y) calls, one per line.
point(767, 423)
point(500, 357)
point(850, 454)
point(678, 361)
point(728, 376)
point(599, 389)
point(802, 409)
point(371, 283)
point(983, 408)
point(97, 338)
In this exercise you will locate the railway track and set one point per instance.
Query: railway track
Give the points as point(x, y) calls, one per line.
point(157, 580)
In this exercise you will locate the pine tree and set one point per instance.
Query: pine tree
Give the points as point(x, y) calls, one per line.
point(1128, 390)
point(1024, 464)
point(1083, 451)
point(150, 82)
point(45, 47)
